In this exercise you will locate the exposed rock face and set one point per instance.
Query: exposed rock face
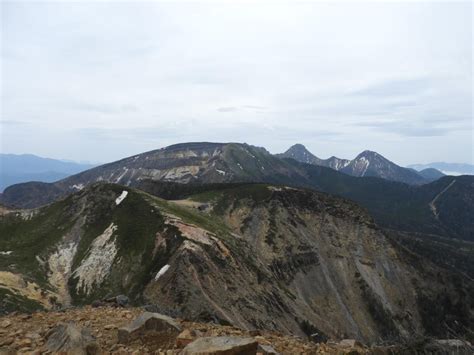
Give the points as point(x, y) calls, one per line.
point(393, 205)
point(68, 338)
point(222, 346)
point(260, 256)
point(183, 163)
point(96, 266)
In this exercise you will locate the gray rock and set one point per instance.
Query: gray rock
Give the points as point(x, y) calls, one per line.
point(222, 346)
point(69, 338)
point(117, 301)
point(122, 300)
point(267, 350)
point(148, 322)
point(98, 303)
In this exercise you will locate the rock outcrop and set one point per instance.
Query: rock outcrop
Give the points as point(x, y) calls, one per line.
point(161, 328)
point(71, 339)
point(222, 346)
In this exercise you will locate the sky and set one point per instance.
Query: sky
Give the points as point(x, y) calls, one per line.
point(99, 81)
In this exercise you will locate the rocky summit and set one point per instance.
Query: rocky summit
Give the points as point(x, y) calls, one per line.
point(89, 330)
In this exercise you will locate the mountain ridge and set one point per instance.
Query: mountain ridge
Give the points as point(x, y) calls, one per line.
point(393, 204)
point(264, 246)
point(456, 168)
point(366, 163)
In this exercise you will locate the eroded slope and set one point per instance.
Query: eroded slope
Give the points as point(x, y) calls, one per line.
point(252, 255)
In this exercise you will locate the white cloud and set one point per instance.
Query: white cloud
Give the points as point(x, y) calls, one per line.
point(127, 77)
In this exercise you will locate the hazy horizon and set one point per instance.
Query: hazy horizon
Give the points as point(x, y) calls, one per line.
point(99, 81)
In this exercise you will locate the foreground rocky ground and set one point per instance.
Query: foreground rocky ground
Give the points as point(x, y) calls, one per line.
point(111, 330)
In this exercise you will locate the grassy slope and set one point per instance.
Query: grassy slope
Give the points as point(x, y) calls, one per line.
point(33, 237)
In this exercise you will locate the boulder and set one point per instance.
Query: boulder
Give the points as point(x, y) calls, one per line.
point(98, 303)
point(121, 300)
point(266, 350)
point(148, 322)
point(117, 301)
point(225, 345)
point(69, 338)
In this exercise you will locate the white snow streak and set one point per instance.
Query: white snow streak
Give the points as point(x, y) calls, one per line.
point(367, 163)
point(162, 272)
point(119, 199)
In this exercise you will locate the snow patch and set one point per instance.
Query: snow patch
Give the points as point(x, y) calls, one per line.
point(117, 180)
point(96, 266)
point(6, 252)
point(366, 163)
point(119, 199)
point(162, 272)
point(240, 166)
point(222, 172)
point(78, 186)
point(246, 151)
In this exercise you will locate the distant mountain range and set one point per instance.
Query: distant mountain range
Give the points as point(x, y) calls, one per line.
point(446, 168)
point(15, 169)
point(229, 233)
point(443, 207)
point(367, 163)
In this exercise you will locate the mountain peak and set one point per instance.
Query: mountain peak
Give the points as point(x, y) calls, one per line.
point(298, 146)
point(370, 163)
point(368, 154)
point(298, 149)
point(300, 153)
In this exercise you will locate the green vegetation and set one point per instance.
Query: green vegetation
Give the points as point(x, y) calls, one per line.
point(30, 237)
point(137, 224)
point(10, 302)
point(222, 200)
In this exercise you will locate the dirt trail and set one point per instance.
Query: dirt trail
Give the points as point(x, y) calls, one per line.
point(432, 203)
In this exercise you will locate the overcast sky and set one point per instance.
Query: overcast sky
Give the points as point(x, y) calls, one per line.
point(99, 81)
